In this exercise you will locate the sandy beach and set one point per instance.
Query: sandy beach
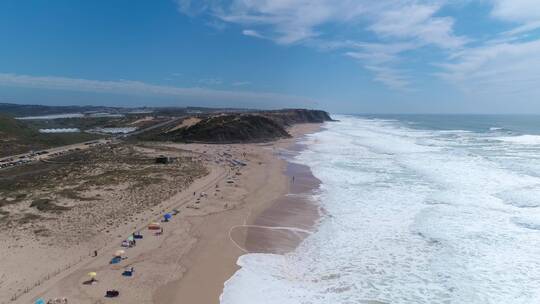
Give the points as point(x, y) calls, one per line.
point(217, 218)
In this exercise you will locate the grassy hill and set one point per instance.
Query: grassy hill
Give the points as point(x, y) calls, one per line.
point(258, 126)
point(227, 128)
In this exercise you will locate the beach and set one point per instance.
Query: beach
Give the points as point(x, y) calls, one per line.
point(246, 184)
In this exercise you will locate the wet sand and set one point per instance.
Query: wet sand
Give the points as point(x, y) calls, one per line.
point(281, 227)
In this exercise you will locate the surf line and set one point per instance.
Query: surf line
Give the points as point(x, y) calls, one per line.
point(293, 229)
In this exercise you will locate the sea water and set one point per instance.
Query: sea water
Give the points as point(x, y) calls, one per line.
point(417, 209)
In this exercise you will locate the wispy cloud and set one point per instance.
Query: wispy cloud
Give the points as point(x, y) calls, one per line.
point(525, 13)
point(400, 25)
point(392, 78)
point(210, 82)
point(128, 87)
point(252, 33)
point(397, 28)
point(417, 23)
point(500, 68)
point(241, 83)
point(506, 65)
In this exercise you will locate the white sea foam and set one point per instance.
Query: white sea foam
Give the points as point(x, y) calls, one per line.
point(412, 217)
point(521, 139)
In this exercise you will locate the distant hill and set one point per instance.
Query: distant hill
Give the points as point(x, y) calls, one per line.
point(36, 110)
point(19, 110)
point(230, 128)
point(258, 126)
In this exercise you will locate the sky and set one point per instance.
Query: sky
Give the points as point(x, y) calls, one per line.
point(344, 56)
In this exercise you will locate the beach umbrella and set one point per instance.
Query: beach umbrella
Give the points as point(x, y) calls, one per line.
point(130, 238)
point(40, 301)
point(167, 216)
point(119, 252)
point(92, 274)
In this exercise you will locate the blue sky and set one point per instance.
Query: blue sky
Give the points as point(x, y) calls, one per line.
point(355, 56)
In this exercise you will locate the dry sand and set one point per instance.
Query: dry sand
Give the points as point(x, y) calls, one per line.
point(196, 254)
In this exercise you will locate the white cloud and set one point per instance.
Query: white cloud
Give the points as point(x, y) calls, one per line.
point(210, 81)
point(526, 13)
point(523, 11)
point(395, 28)
point(252, 33)
point(392, 78)
point(379, 53)
point(495, 69)
point(241, 83)
point(400, 26)
point(417, 22)
point(127, 87)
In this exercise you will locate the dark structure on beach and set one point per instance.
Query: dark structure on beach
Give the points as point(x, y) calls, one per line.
point(162, 159)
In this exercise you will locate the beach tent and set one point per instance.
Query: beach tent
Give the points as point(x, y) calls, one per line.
point(131, 238)
point(40, 301)
point(154, 226)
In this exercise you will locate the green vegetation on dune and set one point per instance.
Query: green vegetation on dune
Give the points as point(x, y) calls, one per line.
point(256, 126)
point(10, 127)
point(232, 128)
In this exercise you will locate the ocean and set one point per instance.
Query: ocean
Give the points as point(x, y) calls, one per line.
point(415, 209)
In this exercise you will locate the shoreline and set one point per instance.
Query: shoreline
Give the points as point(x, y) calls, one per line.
point(283, 225)
point(209, 270)
point(195, 249)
